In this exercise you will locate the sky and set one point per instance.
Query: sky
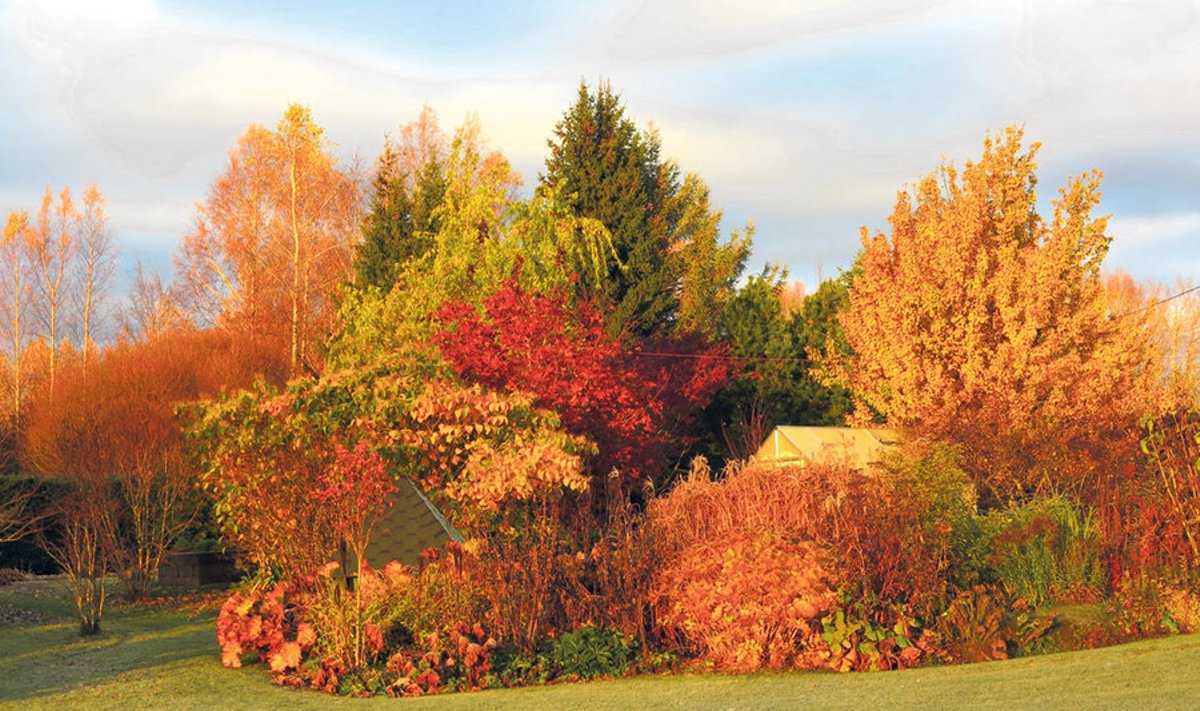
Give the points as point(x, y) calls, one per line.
point(804, 116)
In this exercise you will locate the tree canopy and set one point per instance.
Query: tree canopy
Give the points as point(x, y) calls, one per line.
point(979, 321)
point(275, 237)
point(671, 268)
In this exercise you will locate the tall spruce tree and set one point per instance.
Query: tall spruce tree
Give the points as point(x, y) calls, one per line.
point(602, 167)
point(672, 271)
point(401, 221)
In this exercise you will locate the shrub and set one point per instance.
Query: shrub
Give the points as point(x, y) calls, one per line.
point(313, 632)
point(1183, 606)
point(8, 576)
point(1046, 549)
point(591, 652)
point(611, 585)
point(529, 577)
point(1172, 450)
point(392, 607)
point(934, 505)
point(855, 642)
point(449, 587)
point(983, 624)
point(458, 659)
point(748, 602)
point(267, 625)
point(894, 535)
point(85, 548)
point(1139, 608)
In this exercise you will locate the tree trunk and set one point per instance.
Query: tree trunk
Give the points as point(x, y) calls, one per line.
point(295, 267)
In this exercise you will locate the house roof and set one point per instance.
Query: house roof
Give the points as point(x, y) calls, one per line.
point(411, 525)
point(849, 445)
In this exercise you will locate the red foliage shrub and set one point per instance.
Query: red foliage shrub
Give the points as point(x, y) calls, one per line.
point(630, 404)
point(748, 602)
point(266, 625)
point(313, 632)
point(459, 659)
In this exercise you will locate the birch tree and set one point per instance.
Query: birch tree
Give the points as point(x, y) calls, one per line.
point(97, 264)
point(16, 297)
point(275, 237)
point(52, 247)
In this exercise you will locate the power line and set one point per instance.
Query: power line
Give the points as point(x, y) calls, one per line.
point(715, 356)
point(1160, 302)
point(801, 359)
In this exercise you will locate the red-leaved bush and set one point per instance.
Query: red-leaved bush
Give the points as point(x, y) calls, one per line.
point(458, 659)
point(265, 624)
point(400, 632)
point(749, 602)
point(632, 401)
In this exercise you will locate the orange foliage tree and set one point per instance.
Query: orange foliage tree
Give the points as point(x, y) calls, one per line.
point(275, 237)
point(51, 247)
point(54, 285)
point(111, 428)
point(978, 321)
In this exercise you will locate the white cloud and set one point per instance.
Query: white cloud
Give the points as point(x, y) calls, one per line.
point(642, 31)
point(1158, 247)
point(147, 102)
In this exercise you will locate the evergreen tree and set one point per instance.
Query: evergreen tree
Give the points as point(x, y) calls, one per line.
point(672, 272)
point(815, 329)
point(777, 386)
point(385, 227)
point(401, 221)
point(409, 185)
point(601, 167)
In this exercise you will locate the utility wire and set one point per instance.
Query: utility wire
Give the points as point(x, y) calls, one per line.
point(715, 356)
point(1160, 302)
point(801, 359)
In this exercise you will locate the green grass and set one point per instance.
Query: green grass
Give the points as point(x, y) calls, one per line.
point(156, 659)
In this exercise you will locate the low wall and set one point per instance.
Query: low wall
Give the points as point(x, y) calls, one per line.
point(193, 570)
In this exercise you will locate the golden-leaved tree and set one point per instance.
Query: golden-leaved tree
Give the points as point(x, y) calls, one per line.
point(51, 246)
point(978, 321)
point(275, 237)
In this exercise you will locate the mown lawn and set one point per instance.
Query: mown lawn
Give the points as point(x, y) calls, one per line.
point(156, 659)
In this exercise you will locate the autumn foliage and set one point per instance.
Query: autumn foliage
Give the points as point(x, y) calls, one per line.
point(110, 426)
point(537, 369)
point(258, 623)
point(274, 238)
point(979, 321)
point(888, 535)
point(633, 402)
point(750, 601)
point(271, 458)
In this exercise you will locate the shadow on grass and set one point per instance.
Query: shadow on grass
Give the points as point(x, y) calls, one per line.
point(49, 659)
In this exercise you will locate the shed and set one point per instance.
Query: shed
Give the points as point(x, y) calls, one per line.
point(847, 445)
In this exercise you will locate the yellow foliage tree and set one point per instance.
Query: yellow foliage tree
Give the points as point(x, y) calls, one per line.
point(980, 322)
